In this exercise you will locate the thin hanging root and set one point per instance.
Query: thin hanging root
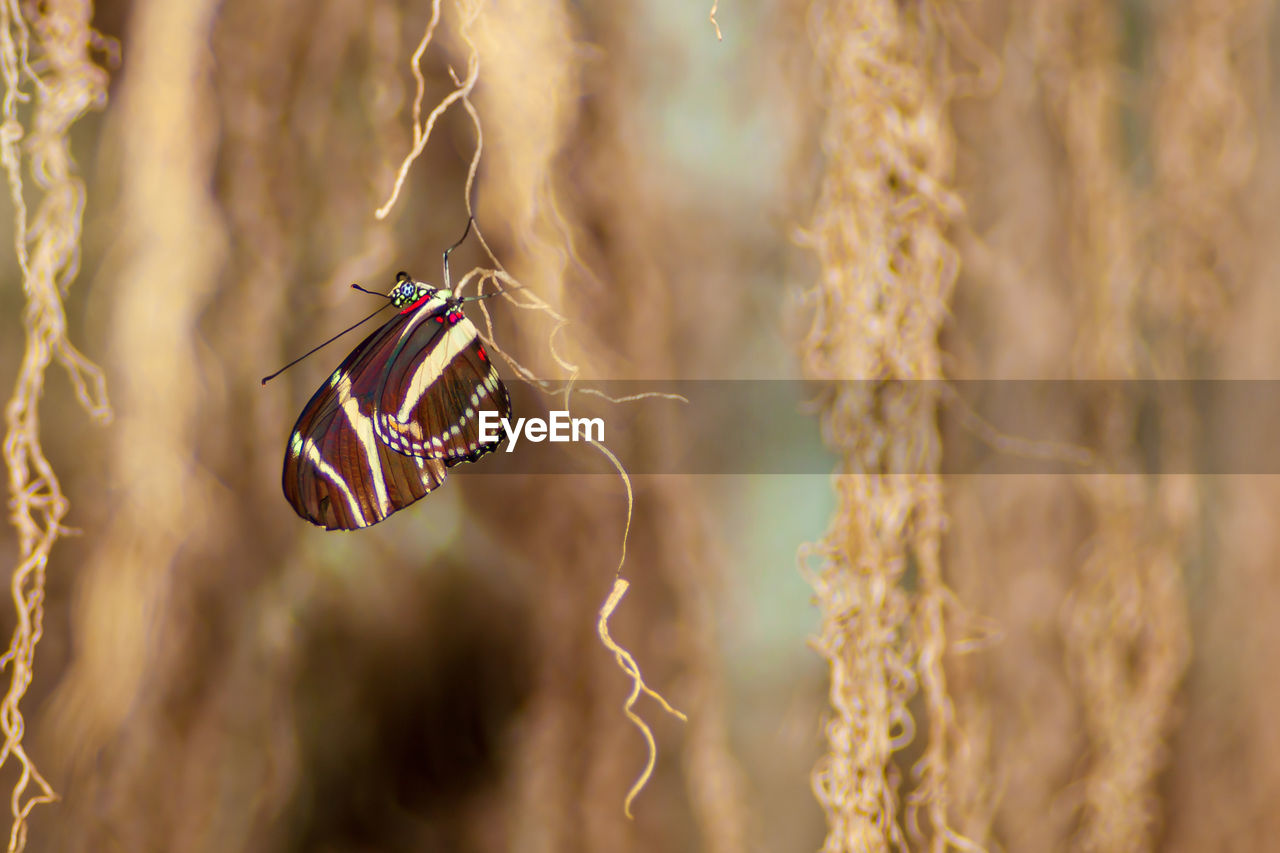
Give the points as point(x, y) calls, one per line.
point(1071, 455)
point(475, 158)
point(625, 660)
point(631, 398)
point(509, 286)
point(628, 665)
point(422, 132)
point(533, 302)
point(715, 4)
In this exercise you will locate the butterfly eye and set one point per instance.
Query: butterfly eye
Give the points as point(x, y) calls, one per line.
point(406, 292)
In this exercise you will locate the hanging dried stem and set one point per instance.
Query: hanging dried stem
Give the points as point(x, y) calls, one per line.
point(47, 251)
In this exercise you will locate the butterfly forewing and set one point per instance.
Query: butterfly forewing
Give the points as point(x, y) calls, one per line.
point(402, 408)
point(434, 395)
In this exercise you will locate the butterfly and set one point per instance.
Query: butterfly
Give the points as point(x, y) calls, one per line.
point(401, 409)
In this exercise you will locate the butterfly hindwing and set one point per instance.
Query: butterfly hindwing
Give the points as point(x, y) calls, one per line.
point(338, 475)
point(380, 434)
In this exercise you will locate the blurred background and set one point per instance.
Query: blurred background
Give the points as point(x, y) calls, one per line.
point(879, 191)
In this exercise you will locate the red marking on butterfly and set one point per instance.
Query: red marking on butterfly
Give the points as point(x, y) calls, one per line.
point(416, 305)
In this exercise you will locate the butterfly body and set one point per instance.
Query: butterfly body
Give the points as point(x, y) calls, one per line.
point(398, 412)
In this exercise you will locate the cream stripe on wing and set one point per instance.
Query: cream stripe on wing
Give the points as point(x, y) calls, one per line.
point(457, 338)
point(363, 428)
point(311, 453)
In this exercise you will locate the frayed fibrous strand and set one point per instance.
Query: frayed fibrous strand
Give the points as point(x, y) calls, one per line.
point(170, 242)
point(47, 250)
point(1141, 313)
point(886, 271)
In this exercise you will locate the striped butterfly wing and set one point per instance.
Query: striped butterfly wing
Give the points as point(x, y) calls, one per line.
point(435, 394)
point(340, 470)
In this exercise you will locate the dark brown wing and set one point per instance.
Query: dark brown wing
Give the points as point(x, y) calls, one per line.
point(339, 476)
point(439, 386)
point(341, 471)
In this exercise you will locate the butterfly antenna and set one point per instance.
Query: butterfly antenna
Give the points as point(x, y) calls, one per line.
point(447, 286)
point(267, 379)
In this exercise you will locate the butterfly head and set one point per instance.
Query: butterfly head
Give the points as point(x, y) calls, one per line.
point(407, 295)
